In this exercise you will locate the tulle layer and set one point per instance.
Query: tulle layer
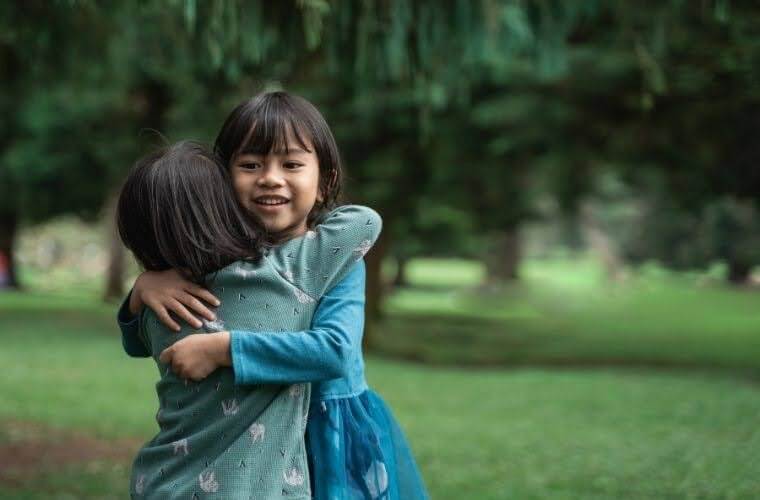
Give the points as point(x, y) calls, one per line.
point(357, 451)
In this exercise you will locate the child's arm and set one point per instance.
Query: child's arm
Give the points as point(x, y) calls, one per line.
point(323, 352)
point(317, 261)
point(129, 324)
point(163, 292)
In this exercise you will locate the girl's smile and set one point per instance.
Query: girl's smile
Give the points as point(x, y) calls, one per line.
point(270, 204)
point(274, 201)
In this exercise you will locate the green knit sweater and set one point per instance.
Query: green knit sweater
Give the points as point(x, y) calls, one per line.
point(222, 441)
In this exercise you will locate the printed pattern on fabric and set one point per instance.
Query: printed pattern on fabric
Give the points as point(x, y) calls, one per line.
point(355, 447)
point(220, 440)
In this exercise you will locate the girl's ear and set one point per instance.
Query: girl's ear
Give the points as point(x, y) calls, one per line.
point(320, 195)
point(329, 185)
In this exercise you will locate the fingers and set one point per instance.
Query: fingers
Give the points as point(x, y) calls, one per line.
point(197, 306)
point(165, 291)
point(203, 294)
point(163, 317)
point(188, 373)
point(185, 367)
point(179, 368)
point(180, 310)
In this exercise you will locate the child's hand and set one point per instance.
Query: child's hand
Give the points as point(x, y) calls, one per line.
point(165, 291)
point(197, 355)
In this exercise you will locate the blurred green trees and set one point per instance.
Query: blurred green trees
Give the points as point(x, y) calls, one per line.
point(458, 120)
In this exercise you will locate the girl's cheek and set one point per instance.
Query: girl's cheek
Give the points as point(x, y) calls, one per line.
point(241, 190)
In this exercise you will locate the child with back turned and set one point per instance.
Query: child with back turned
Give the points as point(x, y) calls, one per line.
point(354, 446)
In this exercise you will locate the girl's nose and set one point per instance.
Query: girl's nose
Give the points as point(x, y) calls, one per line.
point(270, 177)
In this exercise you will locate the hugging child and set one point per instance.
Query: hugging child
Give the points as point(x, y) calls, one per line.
point(282, 162)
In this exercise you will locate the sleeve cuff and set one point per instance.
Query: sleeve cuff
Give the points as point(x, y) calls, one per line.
point(125, 316)
point(237, 357)
point(129, 324)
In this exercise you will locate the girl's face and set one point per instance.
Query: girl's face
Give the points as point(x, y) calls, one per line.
point(279, 188)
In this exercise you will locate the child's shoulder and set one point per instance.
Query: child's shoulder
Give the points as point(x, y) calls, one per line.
point(356, 226)
point(357, 215)
point(347, 223)
point(351, 211)
point(318, 259)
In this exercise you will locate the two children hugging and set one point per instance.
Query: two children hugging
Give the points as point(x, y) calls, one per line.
point(265, 397)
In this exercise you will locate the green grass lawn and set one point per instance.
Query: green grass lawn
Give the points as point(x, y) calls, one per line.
point(607, 423)
point(567, 313)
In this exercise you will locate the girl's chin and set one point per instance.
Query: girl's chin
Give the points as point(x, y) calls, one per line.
point(281, 228)
point(281, 225)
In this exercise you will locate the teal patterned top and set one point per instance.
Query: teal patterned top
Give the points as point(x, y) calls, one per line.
point(225, 441)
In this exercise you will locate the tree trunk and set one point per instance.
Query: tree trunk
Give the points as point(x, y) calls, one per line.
point(571, 232)
point(400, 279)
point(738, 272)
point(503, 261)
point(114, 289)
point(374, 260)
point(8, 232)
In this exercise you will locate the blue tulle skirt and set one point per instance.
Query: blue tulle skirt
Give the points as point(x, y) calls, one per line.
point(357, 451)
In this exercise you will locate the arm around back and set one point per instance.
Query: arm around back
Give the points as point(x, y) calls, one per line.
point(129, 324)
point(323, 352)
point(318, 260)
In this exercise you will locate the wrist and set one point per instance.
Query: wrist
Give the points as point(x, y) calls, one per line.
point(222, 348)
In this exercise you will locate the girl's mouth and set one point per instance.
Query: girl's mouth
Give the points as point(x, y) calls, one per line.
point(270, 201)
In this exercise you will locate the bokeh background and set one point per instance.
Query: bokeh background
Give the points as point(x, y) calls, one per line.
point(564, 301)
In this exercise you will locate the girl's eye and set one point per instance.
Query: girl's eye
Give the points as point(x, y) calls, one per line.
point(292, 165)
point(249, 166)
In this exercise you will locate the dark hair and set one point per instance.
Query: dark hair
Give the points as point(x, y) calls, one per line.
point(177, 209)
point(262, 124)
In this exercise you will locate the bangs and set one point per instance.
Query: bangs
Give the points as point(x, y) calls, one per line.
point(276, 128)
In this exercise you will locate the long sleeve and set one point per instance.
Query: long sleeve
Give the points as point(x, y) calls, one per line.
point(318, 260)
point(129, 325)
point(321, 353)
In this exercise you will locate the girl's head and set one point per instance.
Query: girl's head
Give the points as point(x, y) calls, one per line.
point(283, 161)
point(177, 210)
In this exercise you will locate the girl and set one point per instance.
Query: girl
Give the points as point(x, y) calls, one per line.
point(218, 439)
point(355, 447)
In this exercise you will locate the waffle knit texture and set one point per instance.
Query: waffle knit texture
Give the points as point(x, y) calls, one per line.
point(219, 440)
